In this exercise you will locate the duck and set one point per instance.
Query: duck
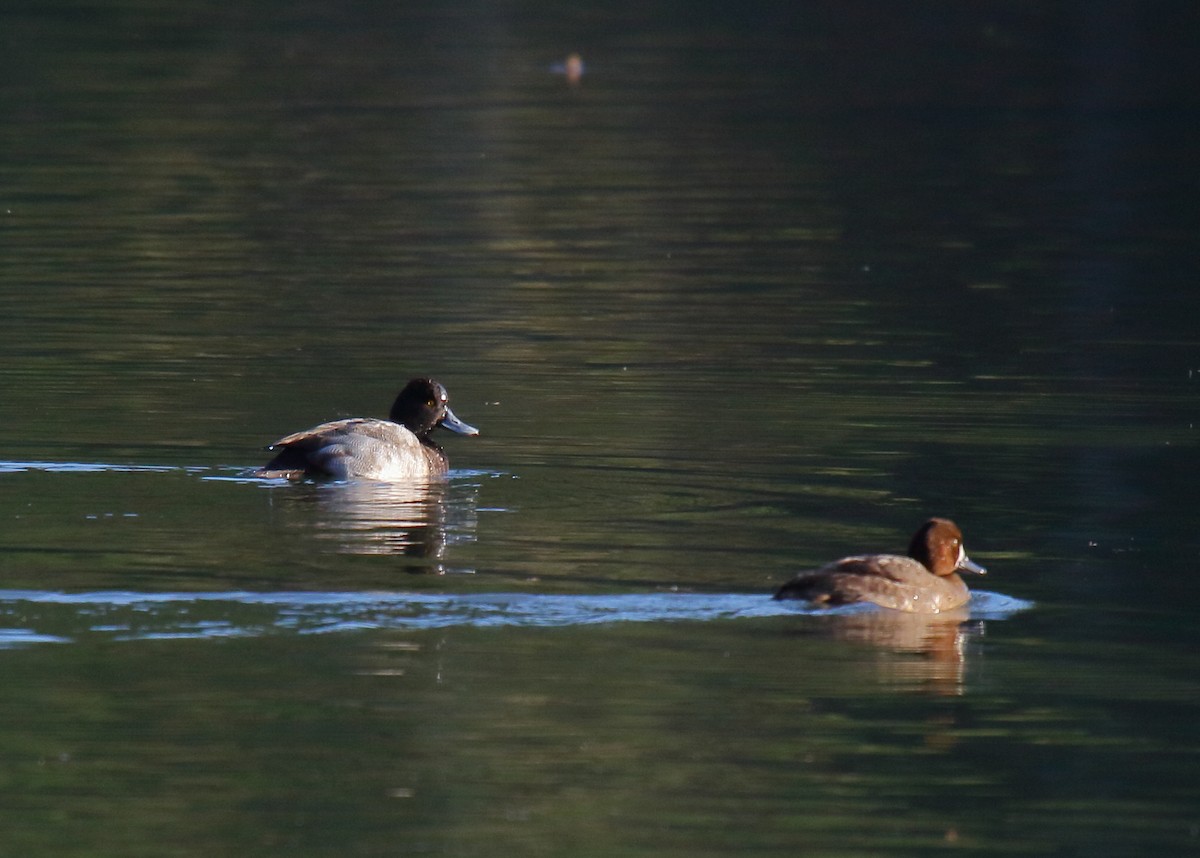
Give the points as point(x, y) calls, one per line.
point(924, 582)
point(368, 448)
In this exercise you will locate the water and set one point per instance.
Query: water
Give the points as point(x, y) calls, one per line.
point(763, 287)
point(174, 614)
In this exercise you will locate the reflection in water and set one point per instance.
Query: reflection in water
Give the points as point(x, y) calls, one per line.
point(940, 640)
point(367, 517)
point(407, 520)
point(572, 68)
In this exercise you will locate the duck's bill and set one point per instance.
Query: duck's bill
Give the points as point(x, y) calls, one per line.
point(455, 425)
point(966, 564)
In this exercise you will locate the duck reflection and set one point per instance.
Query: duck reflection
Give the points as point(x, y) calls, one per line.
point(414, 520)
point(938, 642)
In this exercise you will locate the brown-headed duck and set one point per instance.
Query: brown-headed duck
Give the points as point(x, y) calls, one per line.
point(924, 582)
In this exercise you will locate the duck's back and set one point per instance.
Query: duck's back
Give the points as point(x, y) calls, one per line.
point(357, 448)
point(887, 580)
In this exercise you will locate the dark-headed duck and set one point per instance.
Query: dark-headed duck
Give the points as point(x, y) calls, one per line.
point(924, 582)
point(396, 449)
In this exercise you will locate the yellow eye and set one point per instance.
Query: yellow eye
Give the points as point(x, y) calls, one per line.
point(432, 403)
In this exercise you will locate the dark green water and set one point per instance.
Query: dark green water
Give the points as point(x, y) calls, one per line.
point(769, 285)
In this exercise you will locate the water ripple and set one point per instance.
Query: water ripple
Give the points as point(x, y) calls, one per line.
point(37, 616)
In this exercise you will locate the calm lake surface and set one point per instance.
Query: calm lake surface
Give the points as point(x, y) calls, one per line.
point(769, 284)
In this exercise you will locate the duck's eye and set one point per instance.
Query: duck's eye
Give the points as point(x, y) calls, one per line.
point(432, 403)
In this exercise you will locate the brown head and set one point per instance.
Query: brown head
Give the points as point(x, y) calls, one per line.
point(938, 546)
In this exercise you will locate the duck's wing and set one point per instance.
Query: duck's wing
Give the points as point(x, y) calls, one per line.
point(326, 432)
point(851, 579)
point(332, 449)
point(887, 567)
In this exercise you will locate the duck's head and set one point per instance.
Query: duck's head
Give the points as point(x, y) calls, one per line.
point(938, 546)
point(423, 406)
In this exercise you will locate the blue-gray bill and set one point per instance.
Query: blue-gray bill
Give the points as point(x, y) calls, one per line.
point(455, 425)
point(966, 564)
